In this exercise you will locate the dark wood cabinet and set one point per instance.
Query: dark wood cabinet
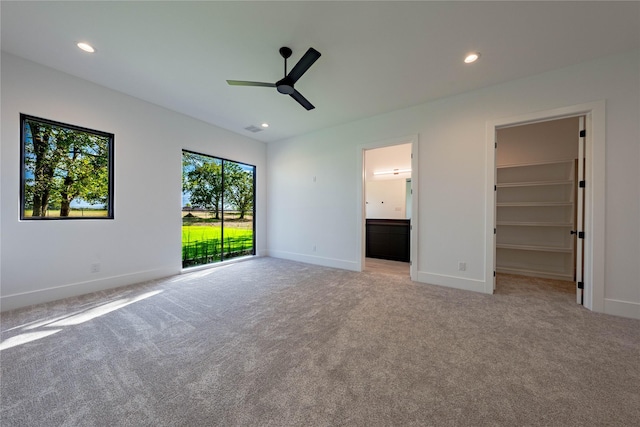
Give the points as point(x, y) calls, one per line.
point(388, 239)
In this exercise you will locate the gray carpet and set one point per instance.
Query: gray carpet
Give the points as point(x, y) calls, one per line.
point(271, 342)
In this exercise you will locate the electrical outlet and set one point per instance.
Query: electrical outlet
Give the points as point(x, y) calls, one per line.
point(462, 266)
point(95, 267)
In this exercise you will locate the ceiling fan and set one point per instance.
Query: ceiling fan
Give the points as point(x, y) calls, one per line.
point(286, 84)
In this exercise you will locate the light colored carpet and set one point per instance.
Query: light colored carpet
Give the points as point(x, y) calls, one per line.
point(271, 342)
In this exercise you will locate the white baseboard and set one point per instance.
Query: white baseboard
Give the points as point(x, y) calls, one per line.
point(423, 277)
point(187, 270)
point(622, 308)
point(317, 260)
point(11, 302)
point(456, 282)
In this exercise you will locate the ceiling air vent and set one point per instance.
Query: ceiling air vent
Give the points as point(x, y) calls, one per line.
point(253, 129)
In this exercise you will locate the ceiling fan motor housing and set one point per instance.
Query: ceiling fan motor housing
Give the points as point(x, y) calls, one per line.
point(285, 86)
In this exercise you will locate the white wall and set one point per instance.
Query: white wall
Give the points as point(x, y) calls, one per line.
point(549, 141)
point(313, 182)
point(386, 194)
point(325, 213)
point(386, 199)
point(47, 260)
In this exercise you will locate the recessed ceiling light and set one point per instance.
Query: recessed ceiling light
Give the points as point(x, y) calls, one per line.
point(86, 47)
point(472, 57)
point(265, 125)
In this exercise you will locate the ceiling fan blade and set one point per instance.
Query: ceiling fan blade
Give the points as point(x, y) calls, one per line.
point(302, 100)
point(303, 65)
point(243, 83)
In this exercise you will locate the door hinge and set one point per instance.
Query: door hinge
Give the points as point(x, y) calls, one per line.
point(580, 285)
point(583, 133)
point(495, 188)
point(580, 234)
point(581, 184)
point(496, 144)
point(494, 231)
point(494, 273)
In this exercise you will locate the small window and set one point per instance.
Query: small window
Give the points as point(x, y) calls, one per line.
point(66, 171)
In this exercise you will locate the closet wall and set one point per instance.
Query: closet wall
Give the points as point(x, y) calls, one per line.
point(535, 199)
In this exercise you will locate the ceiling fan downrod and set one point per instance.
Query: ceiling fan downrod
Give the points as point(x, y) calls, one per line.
point(285, 52)
point(285, 86)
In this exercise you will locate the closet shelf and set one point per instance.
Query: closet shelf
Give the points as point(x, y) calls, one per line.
point(521, 165)
point(533, 248)
point(534, 212)
point(526, 204)
point(534, 224)
point(535, 273)
point(534, 183)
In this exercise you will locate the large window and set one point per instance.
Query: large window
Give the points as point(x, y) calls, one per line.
point(218, 206)
point(66, 171)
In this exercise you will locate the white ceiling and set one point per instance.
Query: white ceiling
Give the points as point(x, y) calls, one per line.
point(376, 56)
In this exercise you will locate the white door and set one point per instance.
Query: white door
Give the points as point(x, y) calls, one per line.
point(579, 231)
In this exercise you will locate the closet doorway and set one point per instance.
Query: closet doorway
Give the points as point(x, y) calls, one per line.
point(539, 203)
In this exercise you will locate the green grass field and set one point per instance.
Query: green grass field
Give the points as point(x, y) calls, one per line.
point(195, 233)
point(55, 213)
point(201, 244)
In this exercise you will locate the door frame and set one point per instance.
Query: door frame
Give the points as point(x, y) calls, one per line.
point(594, 206)
point(362, 212)
point(579, 211)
